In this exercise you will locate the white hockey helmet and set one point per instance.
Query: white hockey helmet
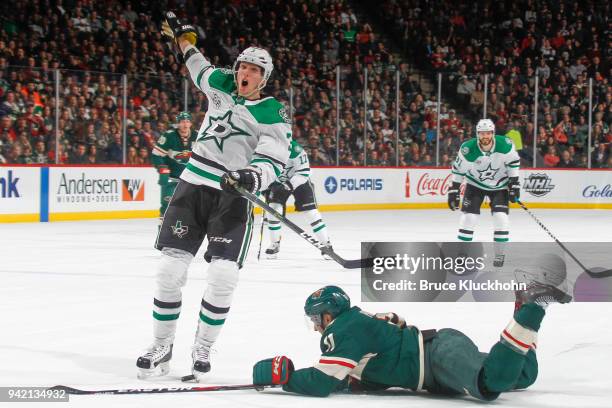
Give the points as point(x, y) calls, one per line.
point(259, 57)
point(485, 125)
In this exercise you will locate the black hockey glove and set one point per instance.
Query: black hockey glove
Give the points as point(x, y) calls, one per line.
point(514, 189)
point(173, 28)
point(249, 179)
point(453, 196)
point(280, 192)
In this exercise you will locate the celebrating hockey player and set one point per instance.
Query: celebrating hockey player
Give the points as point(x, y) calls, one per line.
point(366, 352)
point(295, 180)
point(170, 155)
point(490, 164)
point(243, 141)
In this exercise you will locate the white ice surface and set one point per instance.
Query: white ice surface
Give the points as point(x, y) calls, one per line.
point(75, 309)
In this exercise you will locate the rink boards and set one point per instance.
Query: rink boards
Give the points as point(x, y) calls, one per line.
point(61, 193)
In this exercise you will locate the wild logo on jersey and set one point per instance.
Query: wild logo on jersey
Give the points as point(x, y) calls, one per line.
point(220, 129)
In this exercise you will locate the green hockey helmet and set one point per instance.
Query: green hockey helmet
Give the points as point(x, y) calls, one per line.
point(183, 116)
point(329, 299)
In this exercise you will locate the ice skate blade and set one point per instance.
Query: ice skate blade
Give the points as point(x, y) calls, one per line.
point(270, 256)
point(160, 370)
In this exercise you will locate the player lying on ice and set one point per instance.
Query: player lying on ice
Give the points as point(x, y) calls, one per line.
point(366, 352)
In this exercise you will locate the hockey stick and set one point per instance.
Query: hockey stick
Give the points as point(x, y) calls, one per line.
point(120, 391)
point(346, 263)
point(261, 230)
point(600, 274)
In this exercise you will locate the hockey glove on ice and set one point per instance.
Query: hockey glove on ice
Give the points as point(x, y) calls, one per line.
point(514, 189)
point(271, 371)
point(280, 192)
point(249, 179)
point(453, 196)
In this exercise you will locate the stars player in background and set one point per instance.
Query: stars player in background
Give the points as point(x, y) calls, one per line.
point(295, 181)
point(490, 165)
point(170, 155)
point(243, 141)
point(366, 352)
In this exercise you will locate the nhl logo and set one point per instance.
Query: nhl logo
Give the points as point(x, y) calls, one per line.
point(538, 184)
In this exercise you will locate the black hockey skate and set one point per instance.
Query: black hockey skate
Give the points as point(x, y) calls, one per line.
point(498, 262)
point(273, 250)
point(541, 294)
point(155, 362)
point(201, 361)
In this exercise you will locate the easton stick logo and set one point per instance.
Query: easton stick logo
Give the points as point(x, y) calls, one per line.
point(132, 190)
point(179, 229)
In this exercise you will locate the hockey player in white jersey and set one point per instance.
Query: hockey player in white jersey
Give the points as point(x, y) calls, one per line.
point(243, 141)
point(490, 164)
point(295, 180)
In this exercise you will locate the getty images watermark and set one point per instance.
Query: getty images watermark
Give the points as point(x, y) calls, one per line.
point(476, 271)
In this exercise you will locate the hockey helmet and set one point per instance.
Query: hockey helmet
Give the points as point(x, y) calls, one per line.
point(328, 299)
point(485, 125)
point(183, 116)
point(257, 56)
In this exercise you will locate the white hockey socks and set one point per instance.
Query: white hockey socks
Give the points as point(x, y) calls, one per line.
point(222, 280)
point(171, 277)
point(501, 234)
point(318, 226)
point(467, 223)
point(274, 225)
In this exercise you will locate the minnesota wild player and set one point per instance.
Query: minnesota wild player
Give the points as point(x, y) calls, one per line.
point(373, 352)
point(170, 155)
point(295, 180)
point(490, 164)
point(243, 141)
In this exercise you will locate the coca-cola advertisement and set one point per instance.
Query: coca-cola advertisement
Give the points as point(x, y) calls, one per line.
point(430, 185)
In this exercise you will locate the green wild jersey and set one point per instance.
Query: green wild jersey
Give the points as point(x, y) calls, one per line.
point(236, 133)
point(357, 344)
point(297, 170)
point(173, 151)
point(487, 170)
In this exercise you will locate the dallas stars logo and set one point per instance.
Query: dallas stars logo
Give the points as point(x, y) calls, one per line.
point(488, 173)
point(220, 129)
point(179, 229)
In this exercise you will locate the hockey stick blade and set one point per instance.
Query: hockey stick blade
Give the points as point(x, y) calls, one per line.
point(124, 391)
point(348, 264)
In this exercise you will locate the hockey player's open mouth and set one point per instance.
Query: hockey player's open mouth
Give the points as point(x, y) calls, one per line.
point(244, 83)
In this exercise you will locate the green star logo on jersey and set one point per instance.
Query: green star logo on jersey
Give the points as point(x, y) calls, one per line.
point(220, 129)
point(488, 173)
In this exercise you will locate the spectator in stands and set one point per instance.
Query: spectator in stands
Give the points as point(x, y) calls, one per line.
point(566, 160)
point(551, 159)
point(599, 158)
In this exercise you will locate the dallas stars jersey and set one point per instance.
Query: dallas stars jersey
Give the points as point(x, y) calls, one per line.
point(487, 170)
point(173, 151)
point(297, 170)
point(356, 344)
point(236, 133)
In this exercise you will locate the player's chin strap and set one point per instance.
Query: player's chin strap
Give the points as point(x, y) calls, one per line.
point(258, 88)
